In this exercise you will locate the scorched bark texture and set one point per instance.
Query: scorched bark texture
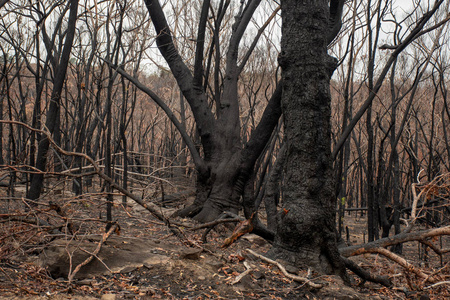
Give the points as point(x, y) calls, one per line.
point(306, 223)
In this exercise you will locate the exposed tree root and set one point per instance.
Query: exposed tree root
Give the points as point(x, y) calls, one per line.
point(216, 222)
point(188, 212)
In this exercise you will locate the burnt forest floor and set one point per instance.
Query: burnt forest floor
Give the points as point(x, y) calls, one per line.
point(154, 264)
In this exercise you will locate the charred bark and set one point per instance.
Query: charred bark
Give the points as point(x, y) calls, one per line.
point(226, 164)
point(53, 111)
point(306, 223)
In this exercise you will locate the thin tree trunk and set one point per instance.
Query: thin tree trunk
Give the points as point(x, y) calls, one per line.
point(53, 111)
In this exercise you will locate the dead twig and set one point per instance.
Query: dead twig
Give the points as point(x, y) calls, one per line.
point(16, 285)
point(243, 274)
point(402, 262)
point(435, 273)
point(93, 254)
point(98, 258)
point(150, 207)
point(394, 240)
point(283, 270)
point(436, 284)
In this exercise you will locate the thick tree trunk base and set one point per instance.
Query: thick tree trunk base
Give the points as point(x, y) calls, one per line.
point(188, 212)
point(211, 212)
point(322, 261)
point(303, 258)
point(203, 214)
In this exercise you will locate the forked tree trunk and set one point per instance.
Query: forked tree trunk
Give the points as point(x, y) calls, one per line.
point(53, 110)
point(225, 165)
point(221, 184)
point(220, 195)
point(306, 222)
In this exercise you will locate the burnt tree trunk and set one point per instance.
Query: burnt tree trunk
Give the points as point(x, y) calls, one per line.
point(306, 223)
point(225, 165)
point(55, 101)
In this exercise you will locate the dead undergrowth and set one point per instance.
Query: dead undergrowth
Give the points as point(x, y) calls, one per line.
point(156, 264)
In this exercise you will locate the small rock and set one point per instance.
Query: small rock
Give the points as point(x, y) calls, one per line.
point(108, 297)
point(255, 239)
point(258, 275)
point(291, 269)
point(85, 281)
point(190, 253)
point(215, 264)
point(201, 278)
point(156, 259)
point(146, 291)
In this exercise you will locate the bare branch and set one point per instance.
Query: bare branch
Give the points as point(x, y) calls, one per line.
point(190, 144)
point(394, 240)
point(193, 94)
point(283, 270)
point(373, 93)
point(336, 8)
point(96, 251)
point(365, 275)
point(256, 39)
point(401, 261)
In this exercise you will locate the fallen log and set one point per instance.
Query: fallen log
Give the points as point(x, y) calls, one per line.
point(364, 274)
point(394, 240)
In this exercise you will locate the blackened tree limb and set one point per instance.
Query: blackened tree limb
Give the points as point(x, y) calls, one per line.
point(256, 39)
point(198, 65)
point(335, 24)
point(53, 111)
point(242, 24)
point(229, 107)
point(3, 2)
point(262, 133)
point(394, 240)
point(194, 95)
point(199, 163)
point(259, 139)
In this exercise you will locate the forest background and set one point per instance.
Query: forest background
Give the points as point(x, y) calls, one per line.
point(119, 104)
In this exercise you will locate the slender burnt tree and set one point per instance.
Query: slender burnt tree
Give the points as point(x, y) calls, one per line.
point(55, 101)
